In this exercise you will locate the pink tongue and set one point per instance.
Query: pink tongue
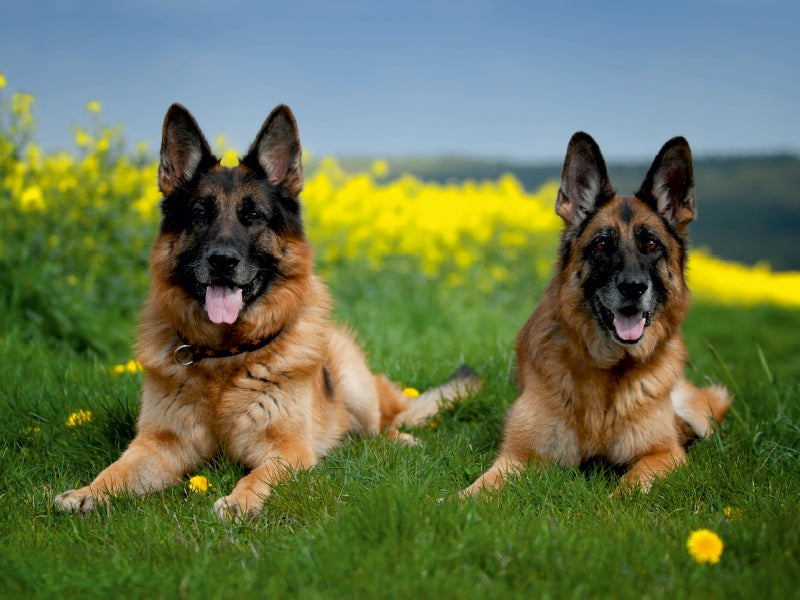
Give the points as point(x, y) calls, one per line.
point(629, 327)
point(223, 303)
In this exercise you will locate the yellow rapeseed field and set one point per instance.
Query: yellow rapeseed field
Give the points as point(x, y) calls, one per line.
point(102, 194)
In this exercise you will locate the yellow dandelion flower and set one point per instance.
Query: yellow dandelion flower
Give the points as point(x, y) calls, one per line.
point(2, 81)
point(410, 392)
point(704, 546)
point(31, 431)
point(132, 366)
point(79, 418)
point(94, 106)
point(732, 514)
point(199, 484)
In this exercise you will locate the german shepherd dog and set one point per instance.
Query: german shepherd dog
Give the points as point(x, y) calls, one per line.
point(236, 341)
point(600, 363)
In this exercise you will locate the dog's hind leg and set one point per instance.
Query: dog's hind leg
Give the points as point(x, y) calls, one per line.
point(701, 408)
point(413, 411)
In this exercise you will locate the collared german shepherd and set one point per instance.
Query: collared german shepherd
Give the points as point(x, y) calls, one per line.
point(236, 341)
point(600, 363)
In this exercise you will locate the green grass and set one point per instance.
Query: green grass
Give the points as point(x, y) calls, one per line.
point(367, 523)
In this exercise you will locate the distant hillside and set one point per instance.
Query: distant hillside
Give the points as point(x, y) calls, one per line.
point(749, 207)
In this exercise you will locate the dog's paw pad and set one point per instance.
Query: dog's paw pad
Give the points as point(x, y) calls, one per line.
point(76, 501)
point(224, 510)
point(229, 509)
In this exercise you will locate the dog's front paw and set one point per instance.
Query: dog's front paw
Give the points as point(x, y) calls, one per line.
point(403, 438)
point(237, 508)
point(81, 501)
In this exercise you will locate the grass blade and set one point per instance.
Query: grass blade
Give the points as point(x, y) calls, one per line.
point(764, 364)
point(725, 368)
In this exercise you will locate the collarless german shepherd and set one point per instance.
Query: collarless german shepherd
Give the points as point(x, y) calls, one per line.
point(600, 363)
point(236, 342)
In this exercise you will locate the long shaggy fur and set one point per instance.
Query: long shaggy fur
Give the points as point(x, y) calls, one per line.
point(231, 269)
point(601, 360)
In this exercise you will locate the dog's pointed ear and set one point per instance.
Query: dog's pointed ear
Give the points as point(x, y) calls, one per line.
point(184, 150)
point(276, 150)
point(668, 186)
point(585, 185)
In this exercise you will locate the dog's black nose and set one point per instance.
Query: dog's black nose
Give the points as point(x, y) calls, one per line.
point(632, 286)
point(223, 260)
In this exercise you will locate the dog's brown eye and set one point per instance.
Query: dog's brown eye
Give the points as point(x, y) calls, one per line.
point(601, 245)
point(252, 216)
point(651, 244)
point(248, 212)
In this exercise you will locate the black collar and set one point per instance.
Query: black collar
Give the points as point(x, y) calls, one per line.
point(185, 353)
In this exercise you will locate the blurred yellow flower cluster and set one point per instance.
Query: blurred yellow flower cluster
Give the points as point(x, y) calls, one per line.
point(462, 225)
point(79, 418)
point(85, 218)
point(440, 224)
point(728, 282)
point(228, 156)
point(77, 223)
point(98, 175)
point(132, 366)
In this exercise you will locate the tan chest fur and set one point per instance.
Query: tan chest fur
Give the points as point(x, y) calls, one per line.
point(575, 410)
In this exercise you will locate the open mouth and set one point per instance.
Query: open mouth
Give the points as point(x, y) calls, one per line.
point(626, 323)
point(224, 300)
point(223, 303)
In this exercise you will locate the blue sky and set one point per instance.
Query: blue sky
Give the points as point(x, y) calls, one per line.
point(500, 79)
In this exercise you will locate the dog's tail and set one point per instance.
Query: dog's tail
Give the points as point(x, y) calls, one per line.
point(398, 409)
point(700, 409)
